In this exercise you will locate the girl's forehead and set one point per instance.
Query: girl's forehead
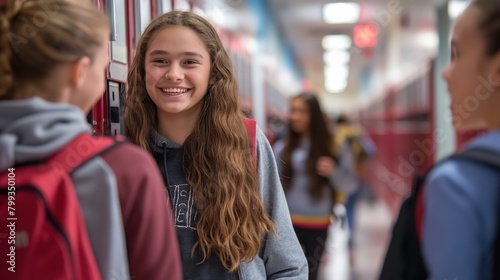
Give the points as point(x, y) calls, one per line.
point(175, 40)
point(466, 25)
point(298, 102)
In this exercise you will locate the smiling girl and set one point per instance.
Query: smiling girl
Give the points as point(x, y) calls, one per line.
point(182, 105)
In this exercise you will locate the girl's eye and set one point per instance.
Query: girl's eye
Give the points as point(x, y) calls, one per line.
point(190, 62)
point(163, 61)
point(454, 54)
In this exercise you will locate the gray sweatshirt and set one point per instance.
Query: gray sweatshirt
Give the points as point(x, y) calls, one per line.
point(280, 257)
point(304, 209)
point(121, 194)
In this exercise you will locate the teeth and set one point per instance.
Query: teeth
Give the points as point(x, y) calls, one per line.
point(174, 90)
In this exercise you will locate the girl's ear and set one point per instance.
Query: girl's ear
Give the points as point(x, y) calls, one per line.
point(78, 71)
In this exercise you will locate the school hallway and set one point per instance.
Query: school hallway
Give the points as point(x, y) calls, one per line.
point(371, 238)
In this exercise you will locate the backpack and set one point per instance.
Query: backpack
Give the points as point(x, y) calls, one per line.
point(46, 236)
point(251, 127)
point(403, 260)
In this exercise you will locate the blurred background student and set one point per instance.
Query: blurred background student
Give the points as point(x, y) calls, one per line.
point(350, 136)
point(310, 174)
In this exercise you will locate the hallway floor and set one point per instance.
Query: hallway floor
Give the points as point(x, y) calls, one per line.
point(370, 238)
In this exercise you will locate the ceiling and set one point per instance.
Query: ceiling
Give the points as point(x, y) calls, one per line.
point(406, 34)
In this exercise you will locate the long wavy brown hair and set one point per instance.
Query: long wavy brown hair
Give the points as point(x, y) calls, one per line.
point(217, 161)
point(321, 145)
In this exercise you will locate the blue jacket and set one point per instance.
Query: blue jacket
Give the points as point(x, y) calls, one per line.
point(460, 218)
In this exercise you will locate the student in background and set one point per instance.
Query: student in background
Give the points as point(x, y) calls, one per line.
point(462, 197)
point(351, 135)
point(309, 175)
point(182, 106)
point(48, 83)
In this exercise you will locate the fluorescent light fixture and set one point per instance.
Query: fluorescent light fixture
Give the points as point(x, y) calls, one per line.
point(336, 71)
point(456, 7)
point(338, 13)
point(336, 42)
point(335, 85)
point(336, 57)
point(336, 78)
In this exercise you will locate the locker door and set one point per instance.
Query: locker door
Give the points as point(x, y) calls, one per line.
point(98, 115)
point(105, 116)
point(142, 15)
point(165, 6)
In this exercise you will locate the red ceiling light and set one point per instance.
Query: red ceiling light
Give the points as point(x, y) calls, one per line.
point(365, 35)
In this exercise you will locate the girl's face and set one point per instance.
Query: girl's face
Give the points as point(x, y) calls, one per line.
point(469, 75)
point(299, 116)
point(177, 68)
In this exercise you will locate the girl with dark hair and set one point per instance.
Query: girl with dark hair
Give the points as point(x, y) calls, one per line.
point(182, 106)
point(309, 175)
point(462, 197)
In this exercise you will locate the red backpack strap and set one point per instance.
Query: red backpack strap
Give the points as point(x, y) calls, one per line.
point(81, 149)
point(76, 153)
point(251, 126)
point(45, 194)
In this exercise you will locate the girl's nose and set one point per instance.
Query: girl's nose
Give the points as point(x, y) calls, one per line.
point(174, 73)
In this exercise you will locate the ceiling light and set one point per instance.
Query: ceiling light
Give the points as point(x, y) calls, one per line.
point(336, 71)
point(336, 42)
point(336, 13)
point(335, 85)
point(365, 35)
point(336, 57)
point(336, 78)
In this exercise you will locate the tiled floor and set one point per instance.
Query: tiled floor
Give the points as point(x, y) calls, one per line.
point(371, 238)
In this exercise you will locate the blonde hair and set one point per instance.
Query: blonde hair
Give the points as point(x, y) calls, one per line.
point(38, 35)
point(218, 163)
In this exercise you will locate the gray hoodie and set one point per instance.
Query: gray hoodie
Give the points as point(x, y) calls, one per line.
point(120, 192)
point(34, 129)
point(280, 257)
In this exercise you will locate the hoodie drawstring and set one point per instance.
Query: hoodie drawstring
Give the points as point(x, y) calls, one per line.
point(164, 144)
